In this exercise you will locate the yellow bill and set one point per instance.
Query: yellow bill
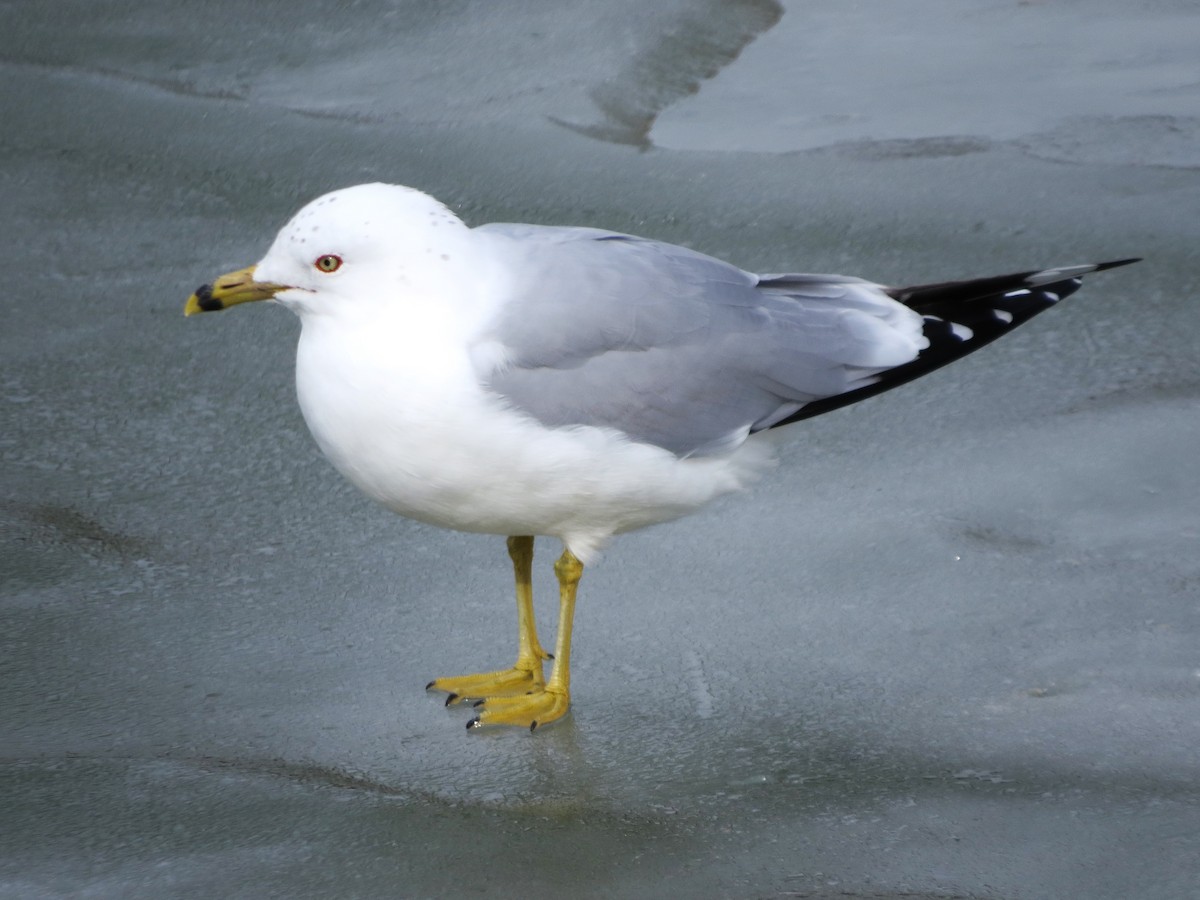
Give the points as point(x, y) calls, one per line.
point(230, 290)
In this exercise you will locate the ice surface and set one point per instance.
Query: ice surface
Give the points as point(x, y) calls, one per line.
point(949, 649)
point(919, 79)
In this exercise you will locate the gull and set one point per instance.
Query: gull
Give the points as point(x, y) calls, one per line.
point(576, 383)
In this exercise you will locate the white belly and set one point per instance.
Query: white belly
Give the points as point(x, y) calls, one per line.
point(416, 432)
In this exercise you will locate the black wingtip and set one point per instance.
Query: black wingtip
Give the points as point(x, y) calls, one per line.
point(1116, 263)
point(962, 316)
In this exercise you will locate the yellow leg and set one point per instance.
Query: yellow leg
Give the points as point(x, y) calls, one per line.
point(529, 649)
point(551, 701)
point(526, 675)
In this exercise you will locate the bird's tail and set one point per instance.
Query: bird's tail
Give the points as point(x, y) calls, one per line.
point(962, 316)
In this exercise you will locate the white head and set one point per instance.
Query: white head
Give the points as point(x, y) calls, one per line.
point(370, 241)
point(355, 248)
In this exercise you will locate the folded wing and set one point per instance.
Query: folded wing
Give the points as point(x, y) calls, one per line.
point(674, 348)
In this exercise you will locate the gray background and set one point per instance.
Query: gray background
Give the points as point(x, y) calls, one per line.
point(949, 649)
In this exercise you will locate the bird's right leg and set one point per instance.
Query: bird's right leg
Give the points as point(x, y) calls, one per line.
point(526, 676)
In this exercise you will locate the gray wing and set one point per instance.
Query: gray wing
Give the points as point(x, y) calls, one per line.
point(672, 347)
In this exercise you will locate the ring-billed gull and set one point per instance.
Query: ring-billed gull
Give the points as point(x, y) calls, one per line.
point(576, 383)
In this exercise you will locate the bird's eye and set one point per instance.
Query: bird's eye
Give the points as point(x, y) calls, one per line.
point(328, 263)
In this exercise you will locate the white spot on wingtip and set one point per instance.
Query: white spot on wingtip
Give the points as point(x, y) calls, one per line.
point(1051, 296)
point(1003, 315)
point(962, 332)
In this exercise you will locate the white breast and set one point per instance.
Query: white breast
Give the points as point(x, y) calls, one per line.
point(400, 413)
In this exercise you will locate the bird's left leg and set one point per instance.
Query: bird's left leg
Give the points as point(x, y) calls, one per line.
point(526, 675)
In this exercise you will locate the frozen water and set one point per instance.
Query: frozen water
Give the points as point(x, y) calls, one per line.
point(948, 649)
point(1101, 82)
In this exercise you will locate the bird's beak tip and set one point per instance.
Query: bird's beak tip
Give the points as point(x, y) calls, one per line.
point(202, 301)
point(230, 290)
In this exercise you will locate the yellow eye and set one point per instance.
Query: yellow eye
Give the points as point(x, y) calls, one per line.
point(328, 263)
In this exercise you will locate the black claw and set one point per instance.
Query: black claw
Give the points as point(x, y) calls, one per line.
point(533, 725)
point(451, 699)
point(431, 684)
point(549, 656)
point(478, 703)
point(474, 723)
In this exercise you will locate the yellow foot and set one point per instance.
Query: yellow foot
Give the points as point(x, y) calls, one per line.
point(520, 679)
point(529, 711)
